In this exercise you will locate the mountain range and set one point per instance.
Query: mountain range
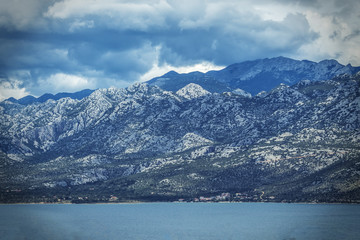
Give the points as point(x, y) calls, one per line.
point(181, 136)
point(255, 76)
point(43, 98)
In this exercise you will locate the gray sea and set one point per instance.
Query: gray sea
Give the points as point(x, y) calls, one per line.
point(158, 221)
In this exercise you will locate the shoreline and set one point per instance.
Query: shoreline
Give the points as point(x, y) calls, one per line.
point(141, 202)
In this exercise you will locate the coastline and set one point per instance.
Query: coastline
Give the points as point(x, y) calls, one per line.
point(143, 202)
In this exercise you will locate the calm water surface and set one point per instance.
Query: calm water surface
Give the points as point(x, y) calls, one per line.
point(181, 221)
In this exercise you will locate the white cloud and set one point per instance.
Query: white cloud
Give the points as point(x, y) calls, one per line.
point(11, 88)
point(61, 82)
point(22, 14)
point(333, 41)
point(158, 70)
point(78, 24)
point(218, 14)
point(139, 15)
point(273, 11)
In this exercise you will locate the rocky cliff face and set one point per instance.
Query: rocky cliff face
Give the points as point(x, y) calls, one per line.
point(295, 143)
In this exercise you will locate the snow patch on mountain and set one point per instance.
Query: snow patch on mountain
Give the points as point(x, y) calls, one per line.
point(192, 91)
point(284, 93)
point(241, 92)
point(192, 140)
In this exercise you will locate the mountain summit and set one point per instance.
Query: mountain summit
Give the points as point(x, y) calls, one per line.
point(191, 91)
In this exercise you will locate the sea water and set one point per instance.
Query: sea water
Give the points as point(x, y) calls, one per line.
point(180, 221)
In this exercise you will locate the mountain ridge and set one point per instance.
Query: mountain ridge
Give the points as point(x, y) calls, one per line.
point(227, 79)
point(43, 98)
point(256, 76)
point(297, 143)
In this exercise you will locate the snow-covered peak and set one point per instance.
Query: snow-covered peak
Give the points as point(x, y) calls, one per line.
point(283, 86)
point(241, 92)
point(261, 94)
point(99, 93)
point(142, 87)
point(192, 91)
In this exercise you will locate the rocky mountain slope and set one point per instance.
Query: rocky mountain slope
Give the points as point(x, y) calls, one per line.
point(292, 143)
point(256, 76)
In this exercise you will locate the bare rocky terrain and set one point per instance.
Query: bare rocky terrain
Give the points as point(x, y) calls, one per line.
point(298, 142)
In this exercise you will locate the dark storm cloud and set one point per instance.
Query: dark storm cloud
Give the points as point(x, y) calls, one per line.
point(112, 42)
point(224, 45)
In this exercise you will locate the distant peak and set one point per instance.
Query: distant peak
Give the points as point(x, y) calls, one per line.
point(282, 57)
point(254, 76)
point(171, 73)
point(191, 91)
point(43, 98)
point(329, 62)
point(11, 99)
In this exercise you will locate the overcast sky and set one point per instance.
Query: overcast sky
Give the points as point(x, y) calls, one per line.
point(69, 45)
